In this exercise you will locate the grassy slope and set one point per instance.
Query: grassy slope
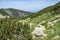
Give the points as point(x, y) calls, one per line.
point(47, 14)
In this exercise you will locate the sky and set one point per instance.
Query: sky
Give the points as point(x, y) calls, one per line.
point(27, 5)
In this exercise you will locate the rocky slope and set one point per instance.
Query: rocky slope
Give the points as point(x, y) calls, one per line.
point(14, 13)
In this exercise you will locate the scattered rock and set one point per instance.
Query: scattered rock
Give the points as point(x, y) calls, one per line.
point(50, 24)
point(56, 37)
point(39, 31)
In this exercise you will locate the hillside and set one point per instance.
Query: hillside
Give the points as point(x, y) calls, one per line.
point(55, 8)
point(46, 22)
point(14, 13)
point(46, 12)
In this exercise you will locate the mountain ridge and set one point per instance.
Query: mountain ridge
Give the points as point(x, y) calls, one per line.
point(14, 12)
point(55, 8)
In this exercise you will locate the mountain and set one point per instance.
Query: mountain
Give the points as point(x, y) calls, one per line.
point(55, 8)
point(15, 13)
point(45, 14)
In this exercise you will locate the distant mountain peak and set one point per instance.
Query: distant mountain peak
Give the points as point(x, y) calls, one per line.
point(14, 12)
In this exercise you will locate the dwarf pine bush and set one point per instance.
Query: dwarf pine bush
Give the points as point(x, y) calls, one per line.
point(9, 30)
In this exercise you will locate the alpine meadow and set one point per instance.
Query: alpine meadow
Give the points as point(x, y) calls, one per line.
point(16, 24)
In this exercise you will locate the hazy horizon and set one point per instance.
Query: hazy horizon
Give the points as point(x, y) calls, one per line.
point(27, 5)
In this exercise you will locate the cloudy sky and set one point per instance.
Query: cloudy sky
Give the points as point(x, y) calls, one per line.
point(27, 5)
